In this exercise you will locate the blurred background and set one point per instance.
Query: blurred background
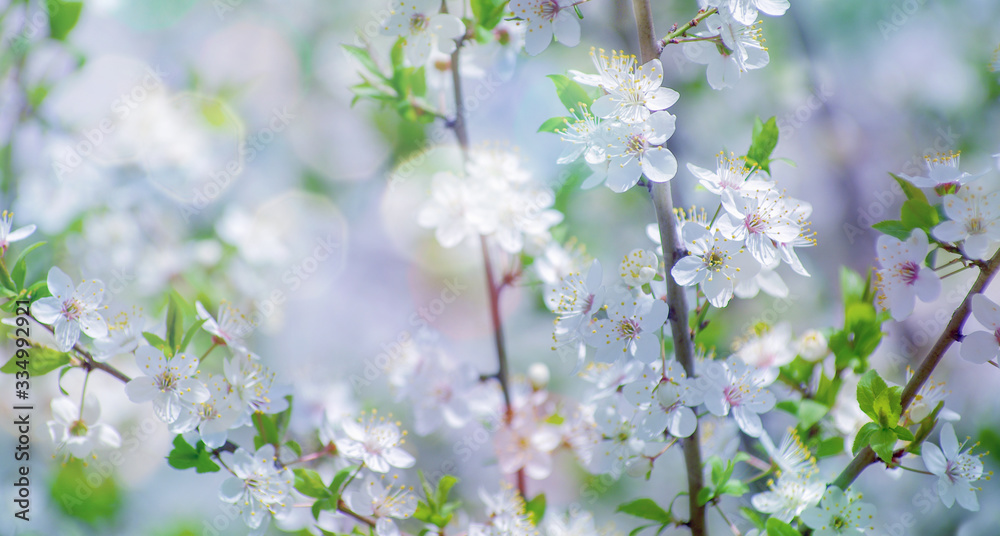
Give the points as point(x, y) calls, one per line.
point(212, 147)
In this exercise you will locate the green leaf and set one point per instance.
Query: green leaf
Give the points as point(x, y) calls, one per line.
point(903, 433)
point(810, 412)
point(555, 124)
point(571, 94)
point(83, 493)
point(883, 442)
point(705, 495)
point(40, 361)
point(764, 140)
point(444, 488)
point(191, 333)
point(752, 517)
point(909, 190)
point(322, 505)
point(365, 59)
point(535, 509)
point(718, 470)
point(735, 488)
point(62, 17)
point(184, 456)
point(175, 324)
point(155, 341)
point(830, 447)
point(488, 13)
point(789, 406)
point(309, 483)
point(917, 214)
point(6, 281)
point(21, 266)
point(340, 478)
point(893, 228)
point(645, 509)
point(864, 436)
point(869, 387)
point(267, 429)
point(776, 527)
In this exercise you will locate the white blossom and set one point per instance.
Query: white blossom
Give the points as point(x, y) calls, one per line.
point(903, 277)
point(168, 383)
point(423, 29)
point(258, 488)
point(7, 236)
point(383, 503)
point(741, 49)
point(839, 513)
point(375, 441)
point(955, 468)
point(70, 311)
point(973, 219)
point(78, 431)
point(630, 329)
point(545, 18)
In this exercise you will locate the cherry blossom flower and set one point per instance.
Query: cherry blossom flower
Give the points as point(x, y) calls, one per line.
point(545, 18)
point(78, 431)
point(955, 468)
point(730, 174)
point(742, 49)
point(636, 150)
point(903, 277)
point(438, 389)
point(812, 346)
point(383, 503)
point(788, 497)
point(124, 331)
point(168, 383)
point(770, 348)
point(231, 328)
point(630, 329)
point(926, 400)
point(7, 236)
point(715, 263)
point(974, 220)
point(423, 29)
point(633, 91)
point(667, 396)
point(943, 174)
point(525, 443)
point(70, 311)
point(212, 418)
point(575, 523)
point(455, 211)
point(376, 442)
point(982, 346)
point(745, 11)
point(839, 513)
point(506, 513)
point(735, 388)
point(624, 429)
point(587, 137)
point(761, 219)
point(254, 386)
point(259, 489)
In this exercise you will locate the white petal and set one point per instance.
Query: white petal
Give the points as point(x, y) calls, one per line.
point(979, 347)
point(659, 165)
point(537, 38)
point(986, 311)
point(567, 28)
point(60, 285)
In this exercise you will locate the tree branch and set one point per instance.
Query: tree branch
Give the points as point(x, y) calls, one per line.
point(676, 300)
point(952, 332)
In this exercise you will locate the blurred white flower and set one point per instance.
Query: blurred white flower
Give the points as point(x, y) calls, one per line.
point(525, 443)
point(760, 218)
point(973, 219)
point(955, 469)
point(982, 346)
point(665, 397)
point(169, 384)
point(812, 345)
point(931, 393)
point(7, 236)
point(745, 11)
point(586, 136)
point(423, 28)
point(575, 523)
point(124, 331)
point(545, 18)
point(376, 442)
point(903, 277)
point(839, 513)
point(231, 329)
point(769, 348)
point(943, 174)
point(69, 311)
point(78, 431)
point(788, 497)
point(254, 385)
point(258, 488)
point(383, 503)
point(506, 513)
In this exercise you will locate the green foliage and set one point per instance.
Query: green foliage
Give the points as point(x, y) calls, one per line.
point(309, 483)
point(63, 16)
point(554, 124)
point(435, 509)
point(40, 361)
point(649, 510)
point(722, 482)
point(882, 404)
point(267, 430)
point(571, 94)
point(862, 332)
point(763, 142)
point(404, 89)
point(184, 456)
point(175, 322)
point(909, 190)
point(776, 527)
point(489, 13)
point(916, 213)
point(74, 491)
point(536, 509)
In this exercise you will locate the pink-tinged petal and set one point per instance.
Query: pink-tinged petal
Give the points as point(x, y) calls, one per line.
point(538, 37)
point(141, 389)
point(949, 443)
point(231, 490)
point(928, 285)
point(64, 410)
point(67, 333)
point(60, 285)
point(900, 300)
point(538, 466)
point(986, 312)
point(934, 459)
point(566, 27)
point(93, 324)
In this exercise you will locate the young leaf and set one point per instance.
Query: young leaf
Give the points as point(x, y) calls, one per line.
point(41, 361)
point(893, 228)
point(765, 139)
point(62, 17)
point(869, 386)
point(571, 94)
point(917, 214)
point(184, 456)
point(21, 266)
point(309, 483)
point(776, 527)
point(554, 124)
point(864, 436)
point(883, 442)
point(645, 509)
point(909, 190)
point(536, 509)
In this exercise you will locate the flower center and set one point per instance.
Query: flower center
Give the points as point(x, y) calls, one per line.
point(838, 523)
point(946, 188)
point(548, 9)
point(629, 329)
point(166, 381)
point(72, 309)
point(418, 23)
point(975, 226)
point(715, 260)
point(754, 223)
point(908, 272)
point(636, 144)
point(78, 428)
